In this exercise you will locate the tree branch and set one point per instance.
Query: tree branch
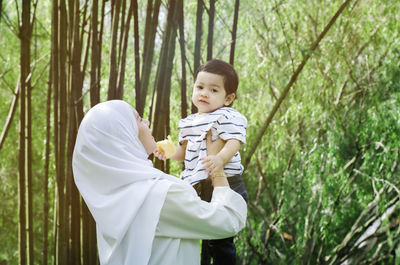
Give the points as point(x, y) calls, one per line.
point(292, 80)
point(10, 116)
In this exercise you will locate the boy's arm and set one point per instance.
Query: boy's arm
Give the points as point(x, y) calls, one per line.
point(180, 152)
point(231, 147)
point(215, 163)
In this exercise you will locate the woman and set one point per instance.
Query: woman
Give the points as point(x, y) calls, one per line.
point(144, 216)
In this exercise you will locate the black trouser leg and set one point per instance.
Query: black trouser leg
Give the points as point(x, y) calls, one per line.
point(205, 253)
point(223, 251)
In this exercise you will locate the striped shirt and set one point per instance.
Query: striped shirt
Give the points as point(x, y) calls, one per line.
point(225, 123)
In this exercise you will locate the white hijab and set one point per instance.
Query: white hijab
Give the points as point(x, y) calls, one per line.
point(114, 177)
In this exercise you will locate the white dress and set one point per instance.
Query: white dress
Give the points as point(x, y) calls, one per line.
point(185, 219)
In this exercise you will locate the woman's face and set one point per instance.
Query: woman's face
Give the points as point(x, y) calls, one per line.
point(144, 133)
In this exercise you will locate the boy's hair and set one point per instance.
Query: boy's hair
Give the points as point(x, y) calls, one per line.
point(219, 67)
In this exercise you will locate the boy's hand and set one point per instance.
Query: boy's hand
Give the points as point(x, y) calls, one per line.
point(159, 154)
point(213, 164)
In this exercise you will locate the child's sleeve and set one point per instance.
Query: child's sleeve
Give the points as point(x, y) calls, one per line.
point(231, 125)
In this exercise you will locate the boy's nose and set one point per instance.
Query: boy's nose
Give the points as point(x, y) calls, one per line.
point(203, 93)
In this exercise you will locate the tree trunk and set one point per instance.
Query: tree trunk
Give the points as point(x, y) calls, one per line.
point(163, 78)
point(72, 193)
point(60, 139)
point(29, 139)
point(124, 41)
point(22, 111)
point(121, 30)
point(210, 29)
point(75, 110)
point(197, 45)
point(25, 33)
point(46, 175)
point(89, 242)
point(181, 21)
point(148, 52)
point(29, 145)
point(137, 52)
point(112, 84)
point(95, 56)
point(55, 84)
point(234, 29)
point(29, 168)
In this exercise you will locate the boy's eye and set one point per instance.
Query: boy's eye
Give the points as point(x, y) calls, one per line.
point(199, 87)
point(214, 90)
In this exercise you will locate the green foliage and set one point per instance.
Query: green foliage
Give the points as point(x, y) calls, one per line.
point(343, 106)
point(331, 147)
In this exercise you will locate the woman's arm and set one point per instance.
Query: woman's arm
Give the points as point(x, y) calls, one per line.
point(185, 215)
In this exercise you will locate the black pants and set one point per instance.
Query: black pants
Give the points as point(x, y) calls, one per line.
point(223, 251)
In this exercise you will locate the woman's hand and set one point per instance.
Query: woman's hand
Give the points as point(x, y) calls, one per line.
point(213, 164)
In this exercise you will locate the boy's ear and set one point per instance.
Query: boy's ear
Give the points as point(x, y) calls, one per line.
point(229, 99)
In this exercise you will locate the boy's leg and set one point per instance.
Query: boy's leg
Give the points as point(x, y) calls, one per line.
point(205, 192)
point(223, 251)
point(205, 253)
point(236, 183)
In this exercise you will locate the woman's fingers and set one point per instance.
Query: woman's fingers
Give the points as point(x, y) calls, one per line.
point(213, 172)
point(207, 164)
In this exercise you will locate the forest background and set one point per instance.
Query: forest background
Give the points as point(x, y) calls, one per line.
point(319, 84)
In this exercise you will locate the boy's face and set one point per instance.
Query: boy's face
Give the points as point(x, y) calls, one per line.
point(209, 93)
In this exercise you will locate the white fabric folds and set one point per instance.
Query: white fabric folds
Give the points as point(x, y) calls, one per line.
point(114, 176)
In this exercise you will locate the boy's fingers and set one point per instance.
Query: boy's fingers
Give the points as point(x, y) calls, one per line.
point(160, 155)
